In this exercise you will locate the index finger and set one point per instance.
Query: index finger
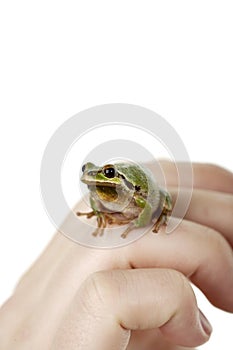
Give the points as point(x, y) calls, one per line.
point(205, 176)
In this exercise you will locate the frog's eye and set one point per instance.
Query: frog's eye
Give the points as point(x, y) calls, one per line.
point(109, 172)
point(83, 167)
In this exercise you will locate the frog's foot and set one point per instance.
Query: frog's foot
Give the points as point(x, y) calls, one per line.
point(116, 218)
point(98, 232)
point(88, 215)
point(126, 232)
point(101, 221)
point(162, 220)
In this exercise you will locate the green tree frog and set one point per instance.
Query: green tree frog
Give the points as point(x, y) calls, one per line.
point(125, 193)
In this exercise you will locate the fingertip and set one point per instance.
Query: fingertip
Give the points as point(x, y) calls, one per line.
point(187, 326)
point(179, 333)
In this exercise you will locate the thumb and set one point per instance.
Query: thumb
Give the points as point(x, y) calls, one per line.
point(111, 304)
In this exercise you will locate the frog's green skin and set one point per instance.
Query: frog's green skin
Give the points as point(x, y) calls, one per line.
point(129, 194)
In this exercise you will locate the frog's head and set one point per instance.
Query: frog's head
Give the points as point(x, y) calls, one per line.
point(107, 182)
point(100, 176)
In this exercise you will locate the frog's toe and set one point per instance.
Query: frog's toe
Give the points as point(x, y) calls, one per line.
point(126, 232)
point(88, 215)
point(95, 233)
point(101, 232)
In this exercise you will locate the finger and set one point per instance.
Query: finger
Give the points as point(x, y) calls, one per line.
point(210, 208)
point(205, 176)
point(111, 304)
point(198, 252)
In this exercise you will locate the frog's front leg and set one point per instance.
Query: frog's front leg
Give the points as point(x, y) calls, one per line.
point(144, 217)
point(101, 221)
point(90, 213)
point(87, 214)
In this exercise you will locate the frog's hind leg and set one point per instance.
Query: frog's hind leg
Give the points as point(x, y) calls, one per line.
point(162, 220)
point(165, 213)
point(101, 221)
point(118, 219)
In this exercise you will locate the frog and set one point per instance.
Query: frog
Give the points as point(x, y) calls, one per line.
point(125, 193)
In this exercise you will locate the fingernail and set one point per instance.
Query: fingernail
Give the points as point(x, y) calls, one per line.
point(205, 324)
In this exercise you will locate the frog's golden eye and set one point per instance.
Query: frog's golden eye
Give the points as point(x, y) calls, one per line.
point(109, 172)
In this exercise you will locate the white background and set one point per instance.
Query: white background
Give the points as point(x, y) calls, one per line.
point(60, 57)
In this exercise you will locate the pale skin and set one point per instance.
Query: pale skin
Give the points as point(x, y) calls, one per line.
point(135, 297)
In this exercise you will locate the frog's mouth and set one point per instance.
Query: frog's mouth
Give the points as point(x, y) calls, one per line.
point(93, 184)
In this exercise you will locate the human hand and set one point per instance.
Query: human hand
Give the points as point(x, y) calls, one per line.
point(135, 297)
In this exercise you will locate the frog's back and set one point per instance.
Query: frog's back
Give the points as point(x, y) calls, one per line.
point(153, 196)
point(135, 174)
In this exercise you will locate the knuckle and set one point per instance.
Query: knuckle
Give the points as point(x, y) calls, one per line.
point(216, 240)
point(180, 285)
point(98, 287)
point(101, 293)
point(177, 279)
point(104, 287)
